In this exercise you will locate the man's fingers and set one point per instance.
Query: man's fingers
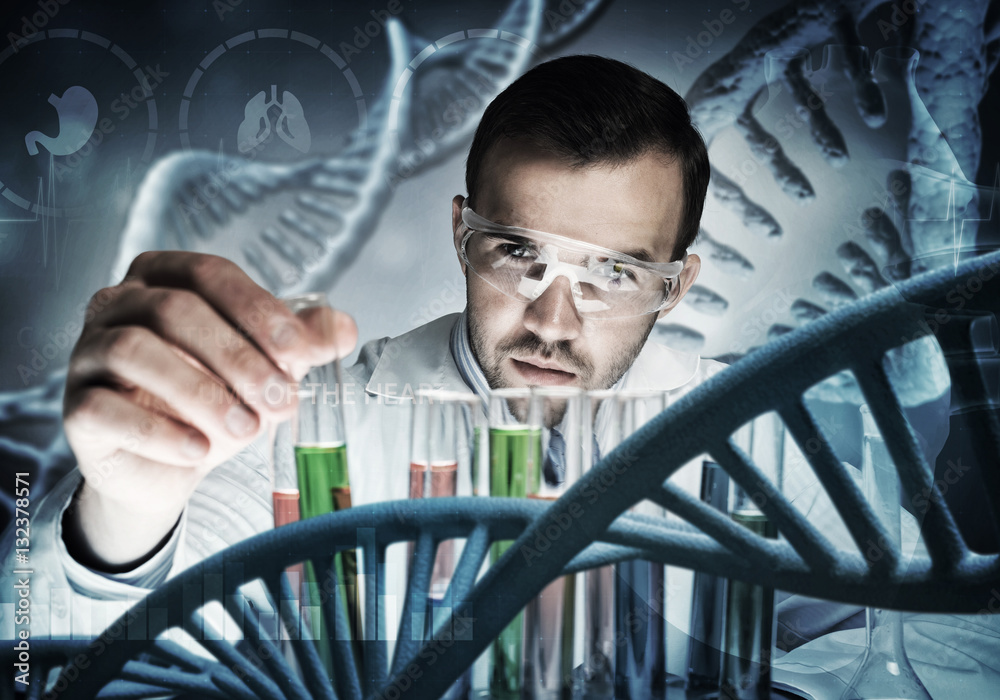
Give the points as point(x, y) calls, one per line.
point(186, 321)
point(102, 422)
point(135, 356)
point(330, 334)
point(230, 291)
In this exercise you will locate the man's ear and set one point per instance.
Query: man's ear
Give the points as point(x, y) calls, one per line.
point(457, 227)
point(686, 279)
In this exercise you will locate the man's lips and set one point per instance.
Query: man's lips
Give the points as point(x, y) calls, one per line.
point(538, 371)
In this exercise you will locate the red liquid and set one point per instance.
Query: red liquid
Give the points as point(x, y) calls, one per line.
point(286, 506)
point(443, 482)
point(286, 510)
point(341, 498)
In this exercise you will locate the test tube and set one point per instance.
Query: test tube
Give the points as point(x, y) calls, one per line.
point(598, 677)
point(285, 485)
point(625, 605)
point(640, 586)
point(441, 465)
point(708, 597)
point(320, 448)
point(318, 431)
point(549, 619)
point(749, 622)
point(515, 462)
point(441, 456)
point(285, 490)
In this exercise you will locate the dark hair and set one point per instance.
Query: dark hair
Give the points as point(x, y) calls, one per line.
point(595, 110)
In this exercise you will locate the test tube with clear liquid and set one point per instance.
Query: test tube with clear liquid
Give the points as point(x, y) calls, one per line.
point(640, 587)
point(748, 636)
point(598, 672)
point(549, 619)
point(708, 598)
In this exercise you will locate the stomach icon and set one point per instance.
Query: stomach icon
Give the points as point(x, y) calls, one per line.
point(77, 110)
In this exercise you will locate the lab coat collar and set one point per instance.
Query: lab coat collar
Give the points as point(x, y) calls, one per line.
point(418, 359)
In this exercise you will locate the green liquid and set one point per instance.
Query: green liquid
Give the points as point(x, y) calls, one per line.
point(323, 479)
point(756, 522)
point(515, 467)
point(515, 470)
point(476, 436)
point(324, 487)
point(515, 461)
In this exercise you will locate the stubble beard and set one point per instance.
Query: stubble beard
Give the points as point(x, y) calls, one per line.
point(491, 360)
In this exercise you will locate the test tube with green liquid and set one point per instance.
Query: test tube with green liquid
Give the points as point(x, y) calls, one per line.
point(320, 449)
point(515, 446)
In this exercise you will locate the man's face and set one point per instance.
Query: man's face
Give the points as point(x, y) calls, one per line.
point(634, 208)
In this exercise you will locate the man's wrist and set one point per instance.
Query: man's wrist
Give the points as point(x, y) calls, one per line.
point(110, 537)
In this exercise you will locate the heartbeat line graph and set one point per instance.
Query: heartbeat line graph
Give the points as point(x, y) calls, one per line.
point(45, 214)
point(54, 225)
point(974, 203)
point(994, 190)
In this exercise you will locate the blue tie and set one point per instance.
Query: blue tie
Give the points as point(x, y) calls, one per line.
point(554, 467)
point(555, 459)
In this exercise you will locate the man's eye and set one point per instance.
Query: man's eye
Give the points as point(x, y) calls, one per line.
point(515, 250)
point(618, 270)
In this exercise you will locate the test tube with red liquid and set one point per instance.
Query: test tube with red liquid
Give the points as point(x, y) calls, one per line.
point(442, 439)
point(441, 462)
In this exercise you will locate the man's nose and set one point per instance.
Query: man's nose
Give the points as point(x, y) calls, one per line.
point(553, 315)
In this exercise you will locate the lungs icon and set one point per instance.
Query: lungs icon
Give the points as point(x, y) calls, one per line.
point(77, 110)
point(255, 127)
point(291, 125)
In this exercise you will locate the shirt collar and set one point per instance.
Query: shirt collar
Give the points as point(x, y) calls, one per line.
point(465, 359)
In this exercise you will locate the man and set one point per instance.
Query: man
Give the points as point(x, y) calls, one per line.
point(586, 182)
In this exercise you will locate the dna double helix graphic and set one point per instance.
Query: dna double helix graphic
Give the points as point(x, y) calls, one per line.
point(295, 226)
point(790, 147)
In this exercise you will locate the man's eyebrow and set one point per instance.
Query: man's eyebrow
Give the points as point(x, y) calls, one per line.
point(511, 237)
point(640, 254)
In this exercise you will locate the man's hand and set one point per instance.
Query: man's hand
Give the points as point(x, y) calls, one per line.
point(178, 368)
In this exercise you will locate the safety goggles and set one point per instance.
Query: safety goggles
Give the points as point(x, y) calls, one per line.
point(522, 264)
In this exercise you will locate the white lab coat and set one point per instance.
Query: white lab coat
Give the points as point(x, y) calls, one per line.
point(234, 500)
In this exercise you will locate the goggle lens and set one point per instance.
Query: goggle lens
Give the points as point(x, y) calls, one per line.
point(602, 287)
